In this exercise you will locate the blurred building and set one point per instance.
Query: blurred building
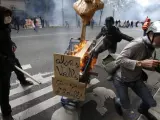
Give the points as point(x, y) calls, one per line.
point(54, 12)
point(13, 4)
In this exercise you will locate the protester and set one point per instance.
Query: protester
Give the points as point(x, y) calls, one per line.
point(135, 57)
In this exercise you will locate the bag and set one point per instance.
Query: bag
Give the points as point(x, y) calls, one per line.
point(109, 63)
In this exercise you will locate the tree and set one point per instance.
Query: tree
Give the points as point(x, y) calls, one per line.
point(120, 4)
point(62, 13)
point(100, 16)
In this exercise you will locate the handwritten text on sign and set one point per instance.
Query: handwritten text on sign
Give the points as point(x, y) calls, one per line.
point(66, 67)
point(68, 88)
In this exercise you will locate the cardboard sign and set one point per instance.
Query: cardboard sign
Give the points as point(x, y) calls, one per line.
point(66, 67)
point(69, 88)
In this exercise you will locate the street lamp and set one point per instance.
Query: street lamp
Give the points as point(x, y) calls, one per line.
point(76, 16)
point(62, 13)
point(113, 12)
point(100, 16)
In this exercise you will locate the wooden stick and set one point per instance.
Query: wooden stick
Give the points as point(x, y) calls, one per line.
point(83, 33)
point(99, 42)
point(27, 74)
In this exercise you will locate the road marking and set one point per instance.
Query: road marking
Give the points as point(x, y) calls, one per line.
point(31, 96)
point(16, 83)
point(37, 108)
point(40, 75)
point(25, 67)
point(20, 89)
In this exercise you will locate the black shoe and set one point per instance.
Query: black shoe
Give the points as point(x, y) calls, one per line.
point(26, 83)
point(130, 115)
point(148, 115)
point(118, 107)
point(8, 117)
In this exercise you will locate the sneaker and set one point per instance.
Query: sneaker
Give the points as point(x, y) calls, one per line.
point(26, 83)
point(130, 115)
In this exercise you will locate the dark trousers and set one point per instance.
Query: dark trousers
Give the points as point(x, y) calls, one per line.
point(16, 26)
point(111, 47)
point(20, 75)
point(139, 88)
point(4, 93)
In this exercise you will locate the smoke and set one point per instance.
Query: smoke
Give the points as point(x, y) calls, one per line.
point(140, 10)
point(43, 8)
point(56, 12)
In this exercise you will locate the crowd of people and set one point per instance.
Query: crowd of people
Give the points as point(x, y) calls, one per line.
point(128, 23)
point(135, 57)
point(18, 23)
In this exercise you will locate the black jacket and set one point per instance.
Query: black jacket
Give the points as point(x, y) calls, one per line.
point(5, 40)
point(113, 35)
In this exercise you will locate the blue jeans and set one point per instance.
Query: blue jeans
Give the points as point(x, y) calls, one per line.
point(139, 88)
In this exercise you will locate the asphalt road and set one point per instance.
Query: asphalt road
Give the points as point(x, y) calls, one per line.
point(35, 52)
point(37, 49)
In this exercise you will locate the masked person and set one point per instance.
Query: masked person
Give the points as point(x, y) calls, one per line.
point(137, 55)
point(7, 61)
point(112, 36)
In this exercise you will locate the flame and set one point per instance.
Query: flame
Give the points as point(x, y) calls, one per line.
point(83, 61)
point(79, 47)
point(94, 61)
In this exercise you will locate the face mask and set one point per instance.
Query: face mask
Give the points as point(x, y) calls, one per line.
point(7, 20)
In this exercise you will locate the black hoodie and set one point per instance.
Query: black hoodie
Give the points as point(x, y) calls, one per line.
point(5, 40)
point(5, 31)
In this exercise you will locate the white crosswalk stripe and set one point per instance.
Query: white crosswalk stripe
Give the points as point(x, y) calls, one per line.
point(28, 104)
point(20, 89)
point(30, 96)
point(25, 67)
point(37, 108)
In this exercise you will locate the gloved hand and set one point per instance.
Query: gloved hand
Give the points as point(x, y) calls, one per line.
point(14, 47)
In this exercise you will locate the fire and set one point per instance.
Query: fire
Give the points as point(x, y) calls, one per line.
point(79, 47)
point(94, 61)
point(85, 58)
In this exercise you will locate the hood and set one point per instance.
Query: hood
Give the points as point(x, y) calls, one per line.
point(4, 12)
